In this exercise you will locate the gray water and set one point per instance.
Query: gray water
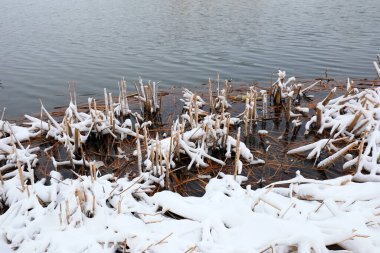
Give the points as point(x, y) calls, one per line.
point(44, 44)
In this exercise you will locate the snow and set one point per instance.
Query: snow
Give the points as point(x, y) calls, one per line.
point(4, 248)
point(307, 215)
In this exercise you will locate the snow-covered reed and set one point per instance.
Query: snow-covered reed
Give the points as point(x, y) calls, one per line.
point(139, 213)
point(352, 119)
point(147, 96)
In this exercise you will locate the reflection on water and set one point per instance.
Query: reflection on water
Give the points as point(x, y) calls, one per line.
point(43, 44)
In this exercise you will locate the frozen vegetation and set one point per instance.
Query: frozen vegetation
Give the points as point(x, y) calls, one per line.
point(105, 213)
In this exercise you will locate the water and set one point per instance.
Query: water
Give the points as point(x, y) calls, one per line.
point(43, 44)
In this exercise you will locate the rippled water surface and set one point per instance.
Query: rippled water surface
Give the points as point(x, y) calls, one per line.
point(43, 44)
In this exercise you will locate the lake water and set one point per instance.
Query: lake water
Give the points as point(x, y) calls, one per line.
point(43, 44)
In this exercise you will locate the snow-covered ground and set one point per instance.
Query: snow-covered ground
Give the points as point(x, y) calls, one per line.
point(102, 215)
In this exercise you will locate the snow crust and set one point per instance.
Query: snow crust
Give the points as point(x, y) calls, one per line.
point(85, 215)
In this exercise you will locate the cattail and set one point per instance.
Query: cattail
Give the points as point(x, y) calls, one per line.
point(145, 139)
point(93, 204)
point(288, 108)
point(350, 88)
point(79, 203)
point(319, 115)
point(265, 104)
point(125, 96)
point(354, 121)
point(60, 214)
point(119, 204)
point(93, 172)
point(125, 246)
point(76, 140)
point(96, 111)
point(191, 113)
point(106, 102)
point(227, 129)
point(196, 109)
point(328, 97)
point(111, 110)
point(79, 198)
point(218, 85)
point(160, 159)
point(152, 154)
point(154, 97)
point(357, 130)
point(147, 107)
point(329, 160)
point(1, 178)
point(67, 212)
point(237, 157)
point(360, 153)
point(222, 113)
point(254, 110)
point(277, 95)
point(226, 88)
point(121, 99)
point(167, 180)
point(142, 89)
point(246, 111)
point(41, 122)
point(21, 175)
point(212, 108)
point(156, 160)
point(139, 158)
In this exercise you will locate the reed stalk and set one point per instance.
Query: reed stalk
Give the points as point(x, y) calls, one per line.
point(212, 107)
point(319, 116)
point(277, 95)
point(265, 104)
point(237, 157)
point(357, 129)
point(67, 212)
point(60, 214)
point(79, 197)
point(246, 112)
point(119, 204)
point(106, 102)
point(160, 158)
point(177, 146)
point(354, 121)
point(76, 140)
point(167, 179)
point(218, 85)
point(145, 138)
point(1, 178)
point(328, 97)
point(21, 175)
point(254, 110)
point(227, 129)
point(196, 109)
point(139, 158)
point(288, 108)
